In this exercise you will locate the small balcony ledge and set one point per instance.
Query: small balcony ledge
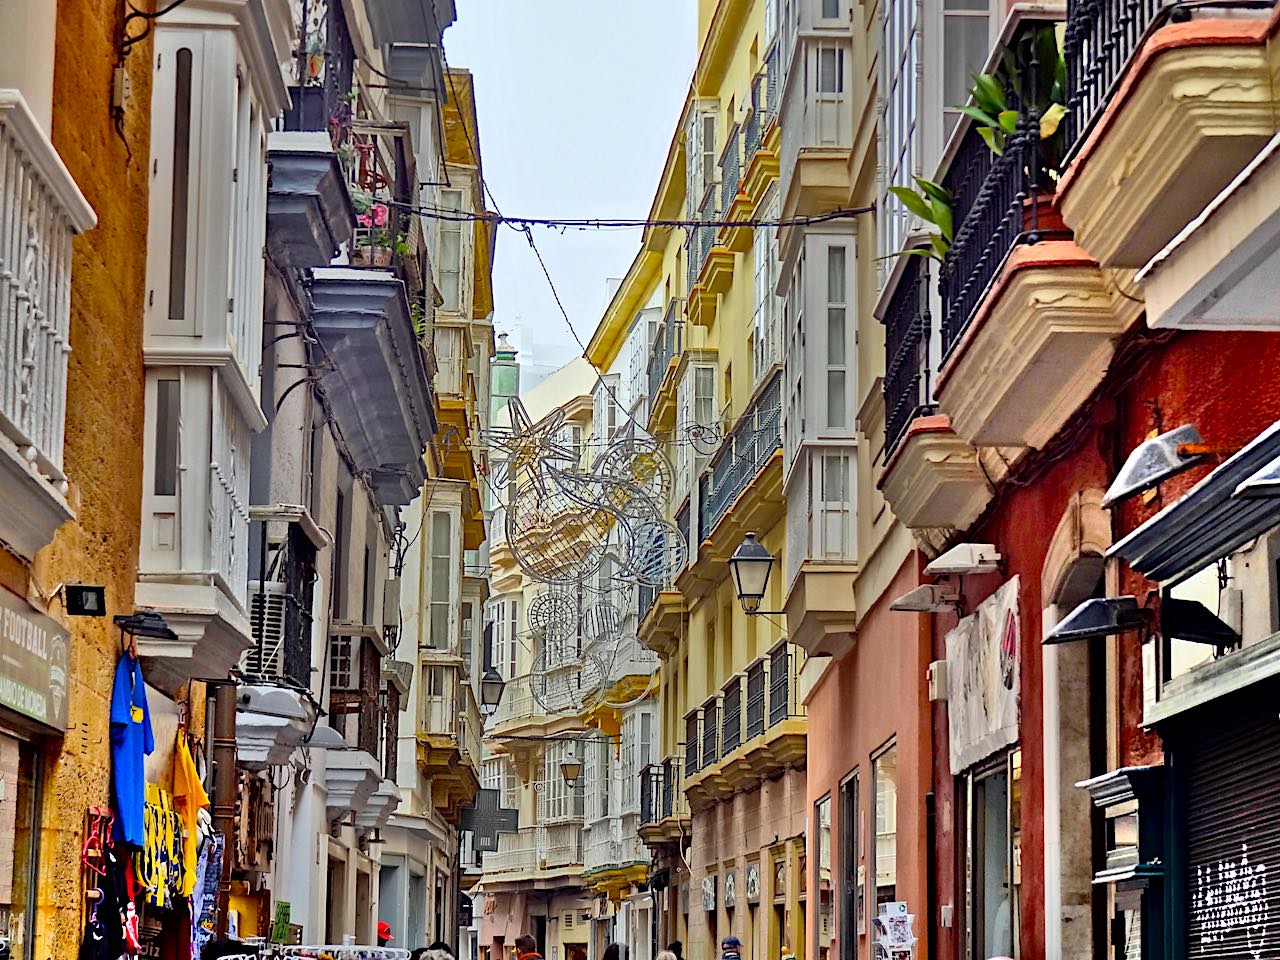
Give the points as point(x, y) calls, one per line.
point(271, 722)
point(1195, 105)
point(934, 480)
point(309, 212)
point(375, 377)
point(821, 609)
point(212, 628)
point(1037, 347)
point(351, 778)
point(379, 808)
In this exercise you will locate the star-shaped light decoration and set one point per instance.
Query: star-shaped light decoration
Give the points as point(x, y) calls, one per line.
point(527, 449)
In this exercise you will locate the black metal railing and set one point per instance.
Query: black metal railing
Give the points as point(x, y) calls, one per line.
point(707, 213)
point(692, 743)
point(672, 784)
point(668, 345)
point(754, 128)
point(742, 455)
point(781, 685)
point(320, 99)
point(704, 485)
point(646, 596)
point(682, 524)
point(692, 258)
point(993, 206)
point(710, 732)
point(730, 170)
point(773, 85)
point(906, 336)
point(731, 716)
point(650, 786)
point(755, 699)
point(1100, 41)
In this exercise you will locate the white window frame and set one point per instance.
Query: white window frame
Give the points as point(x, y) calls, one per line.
point(451, 199)
point(900, 52)
point(768, 306)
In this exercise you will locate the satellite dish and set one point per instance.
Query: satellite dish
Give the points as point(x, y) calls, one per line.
point(1152, 462)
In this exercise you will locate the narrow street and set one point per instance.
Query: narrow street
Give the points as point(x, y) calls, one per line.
point(669, 480)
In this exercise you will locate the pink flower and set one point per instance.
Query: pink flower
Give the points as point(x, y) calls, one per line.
point(364, 220)
point(379, 214)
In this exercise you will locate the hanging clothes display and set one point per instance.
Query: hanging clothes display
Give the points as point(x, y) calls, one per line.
point(159, 862)
point(189, 797)
point(131, 741)
point(204, 904)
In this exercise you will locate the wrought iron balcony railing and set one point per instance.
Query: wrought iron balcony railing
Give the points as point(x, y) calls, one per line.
point(730, 170)
point(753, 130)
point(994, 202)
point(906, 378)
point(755, 699)
point(1100, 41)
point(682, 524)
point(667, 346)
point(742, 455)
point(673, 803)
point(711, 731)
point(692, 742)
point(650, 793)
point(783, 702)
point(773, 85)
point(731, 715)
point(707, 213)
point(323, 74)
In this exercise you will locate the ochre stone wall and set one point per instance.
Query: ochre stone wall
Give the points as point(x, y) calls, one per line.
point(105, 415)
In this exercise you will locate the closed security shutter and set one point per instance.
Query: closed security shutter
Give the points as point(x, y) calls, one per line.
point(1232, 803)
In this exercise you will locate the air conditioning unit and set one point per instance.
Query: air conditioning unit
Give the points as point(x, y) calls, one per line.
point(267, 605)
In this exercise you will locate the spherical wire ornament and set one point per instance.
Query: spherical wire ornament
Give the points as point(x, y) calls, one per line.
point(553, 616)
point(638, 463)
point(554, 539)
point(658, 552)
point(601, 621)
point(564, 680)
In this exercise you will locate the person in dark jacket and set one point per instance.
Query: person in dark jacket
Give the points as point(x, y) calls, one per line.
point(615, 951)
point(730, 948)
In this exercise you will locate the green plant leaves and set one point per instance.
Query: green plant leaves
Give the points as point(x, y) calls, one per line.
point(913, 202)
point(1051, 119)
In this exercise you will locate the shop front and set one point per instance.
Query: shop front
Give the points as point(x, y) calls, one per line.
point(34, 653)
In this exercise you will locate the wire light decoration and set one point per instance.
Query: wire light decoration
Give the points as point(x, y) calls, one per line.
point(593, 534)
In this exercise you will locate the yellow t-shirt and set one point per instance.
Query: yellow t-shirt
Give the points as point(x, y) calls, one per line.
point(190, 798)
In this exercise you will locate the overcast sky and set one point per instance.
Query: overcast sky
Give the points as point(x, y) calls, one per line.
point(577, 101)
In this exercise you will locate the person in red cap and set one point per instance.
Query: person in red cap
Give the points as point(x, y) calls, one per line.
point(384, 933)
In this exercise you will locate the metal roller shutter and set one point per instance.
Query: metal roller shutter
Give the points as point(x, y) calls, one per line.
point(1232, 799)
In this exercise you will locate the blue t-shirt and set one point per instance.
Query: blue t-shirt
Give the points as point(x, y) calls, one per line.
point(131, 740)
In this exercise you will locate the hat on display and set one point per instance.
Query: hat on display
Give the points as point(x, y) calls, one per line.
point(384, 930)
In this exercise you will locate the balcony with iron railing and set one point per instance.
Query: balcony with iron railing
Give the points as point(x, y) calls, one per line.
point(1176, 95)
point(668, 345)
point(692, 742)
point(742, 455)
point(711, 752)
point(757, 740)
point(907, 387)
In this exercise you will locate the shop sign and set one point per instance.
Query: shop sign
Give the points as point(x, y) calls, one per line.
point(709, 893)
point(982, 679)
point(280, 923)
point(33, 663)
point(753, 882)
point(730, 889)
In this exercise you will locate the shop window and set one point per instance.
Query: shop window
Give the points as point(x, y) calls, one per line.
point(826, 905)
point(992, 795)
point(884, 784)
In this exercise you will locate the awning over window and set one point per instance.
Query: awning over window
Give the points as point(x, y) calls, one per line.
point(1207, 522)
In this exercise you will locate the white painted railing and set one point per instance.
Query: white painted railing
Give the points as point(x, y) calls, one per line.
point(517, 701)
point(516, 852)
point(41, 208)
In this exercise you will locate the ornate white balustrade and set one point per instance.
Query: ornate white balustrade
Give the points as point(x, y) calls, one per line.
point(41, 209)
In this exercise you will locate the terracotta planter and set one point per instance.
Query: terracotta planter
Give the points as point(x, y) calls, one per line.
point(371, 257)
point(1041, 213)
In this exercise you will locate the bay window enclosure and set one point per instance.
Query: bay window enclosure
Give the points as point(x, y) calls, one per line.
point(504, 614)
point(991, 797)
point(767, 312)
point(440, 577)
point(697, 426)
point(453, 250)
point(556, 799)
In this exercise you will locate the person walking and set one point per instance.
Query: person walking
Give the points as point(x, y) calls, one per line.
point(527, 948)
point(615, 951)
point(731, 948)
point(665, 955)
point(437, 951)
point(677, 948)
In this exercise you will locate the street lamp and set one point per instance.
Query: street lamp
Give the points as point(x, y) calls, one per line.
point(491, 687)
point(751, 564)
point(571, 768)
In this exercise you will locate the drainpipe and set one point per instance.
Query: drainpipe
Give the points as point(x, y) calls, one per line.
point(224, 790)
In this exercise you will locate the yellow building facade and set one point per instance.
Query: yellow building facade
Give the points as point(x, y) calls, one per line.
point(726, 825)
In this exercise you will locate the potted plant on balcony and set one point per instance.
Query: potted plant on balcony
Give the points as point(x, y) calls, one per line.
point(1032, 77)
point(932, 204)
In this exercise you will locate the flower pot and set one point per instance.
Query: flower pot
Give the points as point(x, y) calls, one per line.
point(1039, 213)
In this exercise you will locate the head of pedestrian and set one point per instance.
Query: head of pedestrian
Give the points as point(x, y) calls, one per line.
point(730, 947)
point(527, 948)
point(615, 951)
point(676, 947)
